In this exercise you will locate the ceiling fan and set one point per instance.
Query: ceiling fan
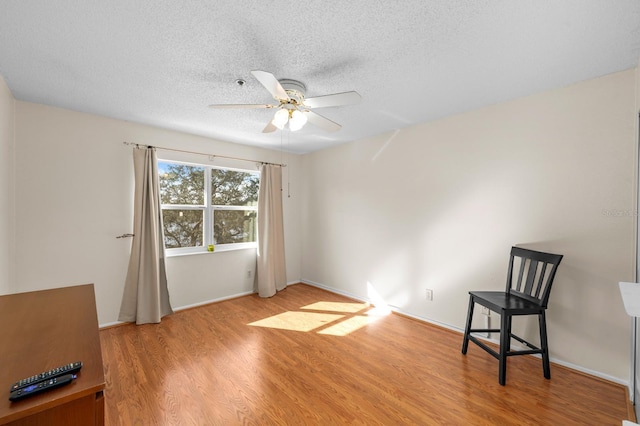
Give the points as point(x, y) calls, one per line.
point(292, 107)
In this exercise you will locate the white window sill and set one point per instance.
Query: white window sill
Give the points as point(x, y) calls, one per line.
point(203, 250)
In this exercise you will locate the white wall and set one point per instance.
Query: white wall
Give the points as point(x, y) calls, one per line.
point(440, 204)
point(7, 112)
point(74, 195)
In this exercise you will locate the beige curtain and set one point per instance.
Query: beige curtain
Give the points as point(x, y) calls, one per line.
point(146, 298)
point(270, 271)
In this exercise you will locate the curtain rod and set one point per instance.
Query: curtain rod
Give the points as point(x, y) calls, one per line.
point(209, 155)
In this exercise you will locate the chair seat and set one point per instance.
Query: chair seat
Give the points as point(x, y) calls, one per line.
point(499, 301)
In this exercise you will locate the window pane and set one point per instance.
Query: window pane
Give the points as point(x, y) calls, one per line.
point(234, 226)
point(182, 228)
point(231, 188)
point(181, 184)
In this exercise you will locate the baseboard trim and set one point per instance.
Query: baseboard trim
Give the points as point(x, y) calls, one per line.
point(209, 302)
point(397, 310)
point(193, 305)
point(184, 307)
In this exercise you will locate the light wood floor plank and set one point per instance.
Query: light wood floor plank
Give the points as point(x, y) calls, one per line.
point(245, 361)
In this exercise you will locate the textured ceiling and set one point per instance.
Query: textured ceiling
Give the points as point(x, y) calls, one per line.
point(162, 62)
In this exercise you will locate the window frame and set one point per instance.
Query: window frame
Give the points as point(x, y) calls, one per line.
point(208, 210)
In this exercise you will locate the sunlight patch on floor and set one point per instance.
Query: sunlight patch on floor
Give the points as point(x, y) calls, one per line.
point(375, 311)
point(297, 321)
point(330, 318)
point(349, 325)
point(337, 307)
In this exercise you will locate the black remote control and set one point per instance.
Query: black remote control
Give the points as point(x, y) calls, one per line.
point(41, 387)
point(70, 368)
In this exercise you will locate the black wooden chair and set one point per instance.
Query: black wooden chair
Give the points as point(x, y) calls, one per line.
point(527, 293)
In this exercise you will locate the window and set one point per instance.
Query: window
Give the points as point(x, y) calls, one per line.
point(203, 205)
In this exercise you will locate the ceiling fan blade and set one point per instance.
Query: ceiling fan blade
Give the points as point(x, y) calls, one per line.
point(271, 84)
point(241, 106)
point(269, 128)
point(337, 99)
point(322, 122)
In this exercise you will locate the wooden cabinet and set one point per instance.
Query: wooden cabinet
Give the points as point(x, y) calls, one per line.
point(45, 329)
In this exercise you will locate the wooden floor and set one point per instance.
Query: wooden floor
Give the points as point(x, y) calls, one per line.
point(310, 357)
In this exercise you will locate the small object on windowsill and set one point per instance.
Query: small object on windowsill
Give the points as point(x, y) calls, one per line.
point(210, 248)
point(125, 236)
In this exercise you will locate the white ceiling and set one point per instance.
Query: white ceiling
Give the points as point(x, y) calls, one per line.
point(162, 62)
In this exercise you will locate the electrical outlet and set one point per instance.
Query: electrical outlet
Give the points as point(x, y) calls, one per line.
point(248, 274)
point(485, 311)
point(429, 295)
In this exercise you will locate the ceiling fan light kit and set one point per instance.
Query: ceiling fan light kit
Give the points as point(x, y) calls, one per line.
point(292, 106)
point(297, 120)
point(280, 118)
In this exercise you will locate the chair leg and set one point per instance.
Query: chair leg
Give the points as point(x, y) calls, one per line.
point(465, 341)
point(505, 346)
point(544, 345)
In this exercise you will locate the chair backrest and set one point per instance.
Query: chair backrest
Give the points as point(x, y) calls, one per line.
point(531, 274)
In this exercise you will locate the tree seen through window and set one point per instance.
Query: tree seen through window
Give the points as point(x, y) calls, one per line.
point(228, 211)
